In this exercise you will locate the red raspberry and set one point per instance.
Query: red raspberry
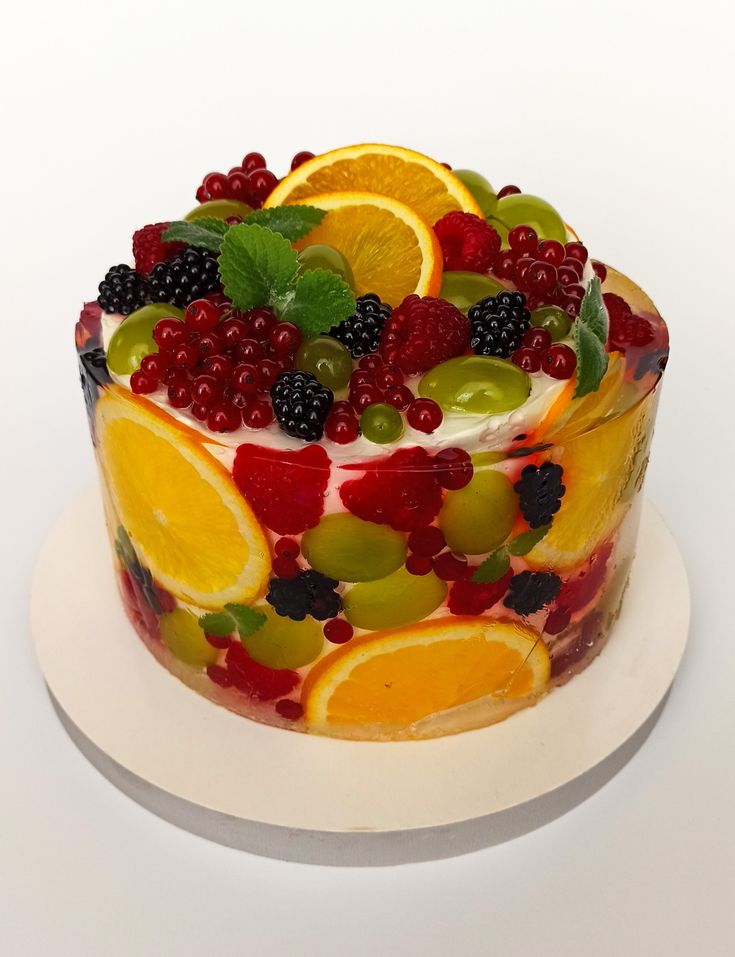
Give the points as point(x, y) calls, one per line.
point(626, 331)
point(467, 242)
point(257, 680)
point(285, 489)
point(422, 332)
point(582, 587)
point(401, 491)
point(469, 598)
point(149, 248)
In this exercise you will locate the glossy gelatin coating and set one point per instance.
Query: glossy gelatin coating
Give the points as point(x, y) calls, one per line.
point(424, 580)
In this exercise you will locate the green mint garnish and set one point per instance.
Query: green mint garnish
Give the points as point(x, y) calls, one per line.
point(590, 336)
point(493, 568)
point(207, 233)
point(320, 300)
point(292, 222)
point(218, 623)
point(257, 266)
point(247, 620)
point(523, 543)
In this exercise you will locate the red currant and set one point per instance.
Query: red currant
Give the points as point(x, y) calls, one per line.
point(400, 397)
point(169, 333)
point(527, 359)
point(576, 251)
point(202, 315)
point(285, 338)
point(450, 567)
point(571, 307)
point(560, 361)
point(523, 239)
point(257, 414)
point(285, 567)
point(341, 428)
point(233, 331)
point(185, 357)
point(224, 417)
point(508, 191)
point(215, 184)
point(362, 377)
point(504, 264)
point(250, 350)
point(522, 265)
point(210, 344)
point(551, 251)
point(567, 275)
point(217, 641)
point(154, 365)
point(268, 370)
point(261, 321)
point(537, 338)
point(371, 362)
point(219, 366)
point(200, 411)
point(253, 161)
point(219, 675)
point(291, 710)
point(245, 379)
point(574, 264)
point(426, 541)
point(574, 291)
point(363, 396)
point(600, 269)
point(540, 277)
point(341, 406)
point(388, 378)
point(206, 390)
point(300, 158)
point(425, 415)
point(418, 564)
point(262, 184)
point(453, 468)
point(179, 393)
point(142, 384)
point(338, 631)
point(287, 548)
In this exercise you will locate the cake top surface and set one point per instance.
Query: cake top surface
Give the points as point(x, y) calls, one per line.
point(372, 299)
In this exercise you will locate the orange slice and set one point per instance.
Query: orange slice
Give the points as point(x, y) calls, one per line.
point(387, 681)
point(426, 186)
point(390, 249)
point(184, 514)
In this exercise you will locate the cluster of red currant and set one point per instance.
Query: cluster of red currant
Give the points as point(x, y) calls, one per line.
point(547, 271)
point(251, 182)
point(219, 363)
point(539, 353)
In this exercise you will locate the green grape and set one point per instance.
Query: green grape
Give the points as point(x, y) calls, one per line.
point(523, 209)
point(554, 320)
point(482, 385)
point(481, 190)
point(133, 338)
point(219, 209)
point(381, 423)
point(345, 547)
point(464, 289)
point(327, 359)
point(321, 256)
point(479, 517)
point(284, 643)
point(398, 599)
point(183, 636)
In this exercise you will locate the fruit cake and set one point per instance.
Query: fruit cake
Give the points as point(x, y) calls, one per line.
point(371, 440)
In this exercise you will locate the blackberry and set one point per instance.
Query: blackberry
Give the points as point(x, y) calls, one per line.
point(190, 275)
point(310, 593)
point(93, 373)
point(540, 491)
point(498, 324)
point(361, 332)
point(530, 591)
point(301, 405)
point(123, 290)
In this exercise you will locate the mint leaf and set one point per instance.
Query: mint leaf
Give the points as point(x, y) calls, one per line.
point(523, 543)
point(246, 619)
point(591, 360)
point(201, 232)
point(493, 568)
point(592, 312)
point(257, 266)
point(292, 222)
point(321, 300)
point(218, 623)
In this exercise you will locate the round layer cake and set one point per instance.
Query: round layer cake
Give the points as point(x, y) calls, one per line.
point(371, 440)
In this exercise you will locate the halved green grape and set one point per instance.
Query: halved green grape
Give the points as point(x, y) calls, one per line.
point(284, 643)
point(219, 209)
point(321, 256)
point(480, 384)
point(133, 338)
point(556, 321)
point(480, 188)
point(399, 599)
point(183, 636)
point(479, 517)
point(464, 289)
point(381, 423)
point(327, 359)
point(523, 209)
point(349, 549)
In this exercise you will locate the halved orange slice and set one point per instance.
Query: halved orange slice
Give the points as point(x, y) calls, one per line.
point(183, 512)
point(387, 681)
point(429, 188)
point(390, 249)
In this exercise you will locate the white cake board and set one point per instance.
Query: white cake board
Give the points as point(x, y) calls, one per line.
point(319, 800)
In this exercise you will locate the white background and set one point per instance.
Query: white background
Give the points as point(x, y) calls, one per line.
point(620, 114)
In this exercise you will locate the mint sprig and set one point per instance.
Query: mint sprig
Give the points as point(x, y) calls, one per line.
point(590, 336)
point(497, 563)
point(320, 300)
point(207, 233)
point(292, 222)
point(257, 266)
point(240, 618)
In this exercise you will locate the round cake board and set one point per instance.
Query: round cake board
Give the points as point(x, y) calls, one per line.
point(320, 800)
